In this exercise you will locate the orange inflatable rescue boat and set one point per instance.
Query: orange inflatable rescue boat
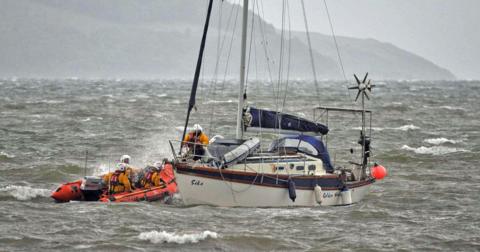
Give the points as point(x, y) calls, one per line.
point(92, 189)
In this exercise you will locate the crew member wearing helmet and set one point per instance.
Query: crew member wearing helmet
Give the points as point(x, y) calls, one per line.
point(118, 181)
point(125, 159)
point(132, 172)
point(148, 177)
point(157, 178)
point(195, 141)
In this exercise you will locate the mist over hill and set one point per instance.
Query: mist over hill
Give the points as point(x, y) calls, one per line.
point(160, 39)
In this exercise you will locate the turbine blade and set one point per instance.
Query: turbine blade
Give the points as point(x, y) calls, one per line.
point(356, 78)
point(366, 95)
point(365, 78)
point(353, 87)
point(358, 94)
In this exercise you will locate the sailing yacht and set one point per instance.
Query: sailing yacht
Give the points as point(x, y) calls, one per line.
point(296, 169)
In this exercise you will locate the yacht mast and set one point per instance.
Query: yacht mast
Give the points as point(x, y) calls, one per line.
point(242, 71)
point(193, 92)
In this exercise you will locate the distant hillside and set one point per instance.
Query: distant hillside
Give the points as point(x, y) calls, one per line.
point(384, 60)
point(160, 39)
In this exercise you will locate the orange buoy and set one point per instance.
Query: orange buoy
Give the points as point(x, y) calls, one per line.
point(378, 172)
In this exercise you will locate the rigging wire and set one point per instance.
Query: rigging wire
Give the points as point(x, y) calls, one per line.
point(265, 42)
point(280, 61)
point(213, 86)
point(249, 53)
point(222, 89)
point(235, 6)
point(312, 61)
point(289, 57)
point(340, 61)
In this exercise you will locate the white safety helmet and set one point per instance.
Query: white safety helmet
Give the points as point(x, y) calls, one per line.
point(121, 166)
point(158, 165)
point(197, 127)
point(125, 159)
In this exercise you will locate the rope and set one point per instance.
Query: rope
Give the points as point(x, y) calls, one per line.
point(289, 57)
point(234, 6)
point(213, 87)
point(340, 61)
point(249, 54)
point(280, 62)
point(230, 185)
point(265, 42)
point(312, 61)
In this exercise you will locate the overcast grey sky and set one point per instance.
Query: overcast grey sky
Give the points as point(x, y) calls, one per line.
point(446, 32)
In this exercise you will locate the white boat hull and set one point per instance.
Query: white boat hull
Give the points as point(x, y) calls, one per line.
point(197, 190)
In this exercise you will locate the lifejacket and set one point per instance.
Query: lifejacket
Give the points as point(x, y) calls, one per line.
point(115, 182)
point(193, 139)
point(147, 179)
point(114, 179)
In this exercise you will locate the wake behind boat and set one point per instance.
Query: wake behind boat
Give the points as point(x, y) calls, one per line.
point(295, 170)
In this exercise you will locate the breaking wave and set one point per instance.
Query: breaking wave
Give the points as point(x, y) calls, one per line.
point(218, 101)
point(4, 155)
point(434, 150)
point(25, 192)
point(101, 170)
point(167, 237)
point(452, 108)
point(407, 127)
point(402, 128)
point(440, 140)
point(373, 128)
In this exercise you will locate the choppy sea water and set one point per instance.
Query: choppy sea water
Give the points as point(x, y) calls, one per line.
point(426, 134)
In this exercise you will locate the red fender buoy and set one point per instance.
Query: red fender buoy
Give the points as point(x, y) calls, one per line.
point(378, 172)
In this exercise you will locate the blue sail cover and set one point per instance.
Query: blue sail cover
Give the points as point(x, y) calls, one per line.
point(318, 145)
point(260, 118)
point(299, 142)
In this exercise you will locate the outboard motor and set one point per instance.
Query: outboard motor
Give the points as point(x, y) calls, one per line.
point(92, 187)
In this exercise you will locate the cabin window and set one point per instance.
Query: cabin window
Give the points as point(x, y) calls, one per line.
point(292, 166)
point(300, 168)
point(280, 168)
point(307, 148)
point(312, 167)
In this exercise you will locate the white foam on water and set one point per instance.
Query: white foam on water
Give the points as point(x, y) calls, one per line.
point(4, 154)
point(142, 96)
point(217, 102)
point(168, 237)
point(434, 150)
point(52, 101)
point(373, 128)
point(452, 108)
point(402, 128)
point(162, 95)
point(440, 140)
point(407, 127)
point(102, 169)
point(82, 246)
point(25, 192)
point(179, 129)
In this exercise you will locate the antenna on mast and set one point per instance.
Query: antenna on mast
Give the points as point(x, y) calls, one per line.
point(364, 87)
